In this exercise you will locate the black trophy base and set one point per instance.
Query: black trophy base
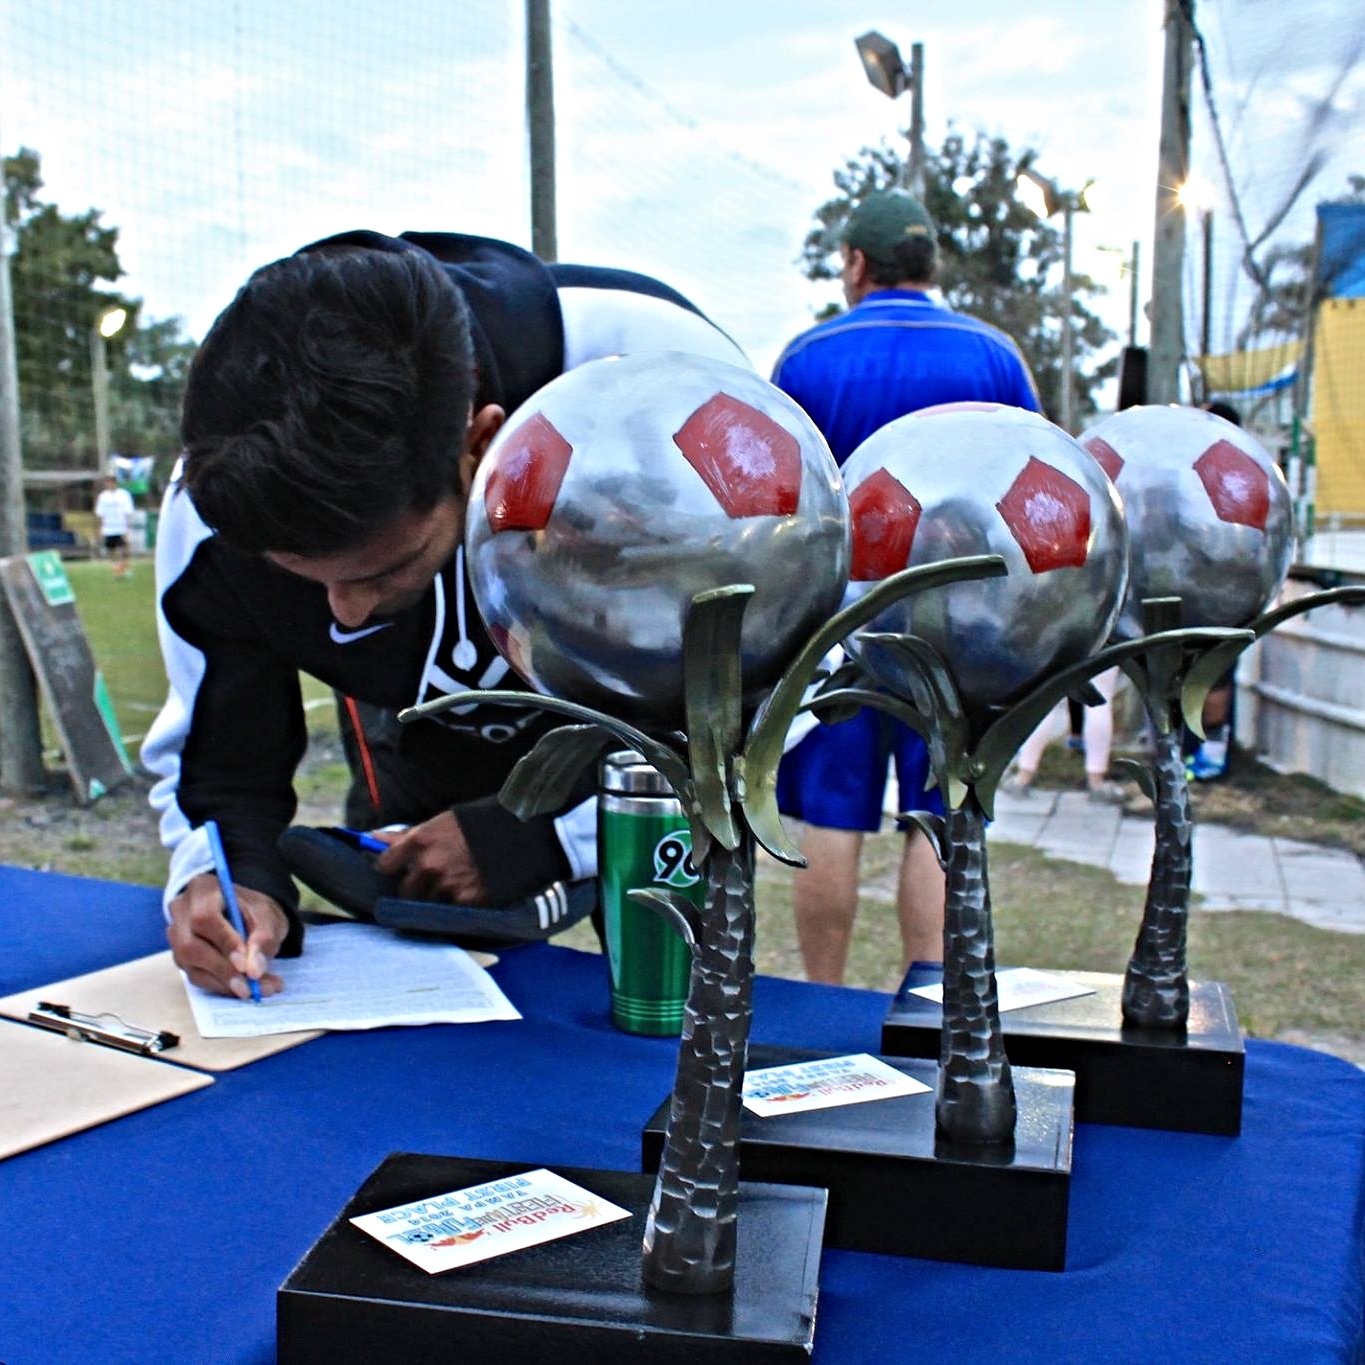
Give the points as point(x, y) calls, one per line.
point(578, 1299)
point(1188, 1081)
point(896, 1188)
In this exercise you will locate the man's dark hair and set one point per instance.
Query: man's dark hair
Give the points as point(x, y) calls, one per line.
point(912, 261)
point(332, 395)
point(1224, 410)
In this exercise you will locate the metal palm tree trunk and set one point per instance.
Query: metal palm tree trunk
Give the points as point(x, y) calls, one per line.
point(976, 1092)
point(689, 1243)
point(1156, 988)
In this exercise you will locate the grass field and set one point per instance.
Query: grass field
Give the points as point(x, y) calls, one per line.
point(119, 617)
point(1289, 980)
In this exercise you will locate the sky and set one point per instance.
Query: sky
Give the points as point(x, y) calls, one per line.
point(694, 140)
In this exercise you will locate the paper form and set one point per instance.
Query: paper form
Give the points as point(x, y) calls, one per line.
point(359, 976)
point(1018, 988)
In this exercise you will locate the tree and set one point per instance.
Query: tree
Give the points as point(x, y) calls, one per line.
point(999, 262)
point(63, 275)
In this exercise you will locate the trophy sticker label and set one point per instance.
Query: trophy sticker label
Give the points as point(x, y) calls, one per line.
point(825, 1084)
point(475, 1224)
point(1020, 987)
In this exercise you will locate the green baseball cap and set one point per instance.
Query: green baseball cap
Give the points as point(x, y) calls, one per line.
point(879, 223)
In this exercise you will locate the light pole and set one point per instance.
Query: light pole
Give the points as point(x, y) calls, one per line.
point(888, 73)
point(1128, 270)
point(1196, 196)
point(1042, 198)
point(110, 324)
point(1206, 329)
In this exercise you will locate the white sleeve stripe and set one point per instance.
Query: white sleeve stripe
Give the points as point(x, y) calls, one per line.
point(179, 534)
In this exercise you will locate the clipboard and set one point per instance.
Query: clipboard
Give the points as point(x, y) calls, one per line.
point(51, 1087)
point(80, 1052)
point(146, 995)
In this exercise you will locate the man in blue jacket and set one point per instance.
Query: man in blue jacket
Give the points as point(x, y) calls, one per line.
point(897, 349)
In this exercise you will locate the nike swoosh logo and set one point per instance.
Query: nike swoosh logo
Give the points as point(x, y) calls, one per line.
point(348, 637)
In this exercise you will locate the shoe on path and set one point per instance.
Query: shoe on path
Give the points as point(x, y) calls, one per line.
point(1209, 761)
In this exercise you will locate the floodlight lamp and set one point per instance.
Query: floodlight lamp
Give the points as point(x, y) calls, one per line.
point(882, 62)
point(1037, 193)
point(111, 321)
point(1195, 195)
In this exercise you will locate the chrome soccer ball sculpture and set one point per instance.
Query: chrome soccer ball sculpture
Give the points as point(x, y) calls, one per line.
point(983, 478)
point(621, 490)
point(1208, 511)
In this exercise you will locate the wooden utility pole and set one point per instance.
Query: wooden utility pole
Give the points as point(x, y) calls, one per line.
point(540, 129)
point(1168, 243)
point(21, 750)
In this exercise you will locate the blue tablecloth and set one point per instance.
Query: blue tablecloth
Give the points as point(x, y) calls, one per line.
point(163, 1236)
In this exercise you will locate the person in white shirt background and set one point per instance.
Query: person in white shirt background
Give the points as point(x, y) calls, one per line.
point(114, 508)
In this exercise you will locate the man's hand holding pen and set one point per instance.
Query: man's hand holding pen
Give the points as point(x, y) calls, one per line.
point(212, 953)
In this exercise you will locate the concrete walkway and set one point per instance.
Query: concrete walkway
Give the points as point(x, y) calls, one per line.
point(1232, 871)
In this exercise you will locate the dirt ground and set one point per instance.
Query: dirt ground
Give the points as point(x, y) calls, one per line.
point(116, 837)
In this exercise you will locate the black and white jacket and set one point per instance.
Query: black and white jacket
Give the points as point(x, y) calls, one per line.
point(236, 631)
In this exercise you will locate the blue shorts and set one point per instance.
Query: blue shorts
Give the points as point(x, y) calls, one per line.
point(836, 776)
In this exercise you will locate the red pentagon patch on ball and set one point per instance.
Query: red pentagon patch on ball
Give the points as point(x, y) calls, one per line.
point(1237, 486)
point(885, 514)
point(524, 482)
point(1048, 513)
point(1110, 460)
point(749, 462)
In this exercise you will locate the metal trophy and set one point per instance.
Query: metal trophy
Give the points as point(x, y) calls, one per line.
point(1208, 545)
point(1211, 528)
point(974, 667)
point(658, 544)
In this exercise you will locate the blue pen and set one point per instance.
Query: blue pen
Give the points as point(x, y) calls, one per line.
point(220, 865)
point(360, 839)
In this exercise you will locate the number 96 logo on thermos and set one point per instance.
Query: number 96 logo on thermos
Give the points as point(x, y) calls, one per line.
point(673, 860)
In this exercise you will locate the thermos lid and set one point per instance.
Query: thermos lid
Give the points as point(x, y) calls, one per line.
point(624, 770)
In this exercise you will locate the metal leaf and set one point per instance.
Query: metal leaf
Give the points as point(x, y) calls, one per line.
point(1202, 675)
point(679, 913)
point(1141, 774)
point(1002, 740)
point(659, 755)
point(768, 730)
point(933, 827)
point(855, 698)
point(846, 675)
point(1267, 621)
point(935, 698)
point(759, 802)
point(713, 691)
point(543, 779)
point(914, 658)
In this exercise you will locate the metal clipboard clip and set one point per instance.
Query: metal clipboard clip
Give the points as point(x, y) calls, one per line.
point(93, 1028)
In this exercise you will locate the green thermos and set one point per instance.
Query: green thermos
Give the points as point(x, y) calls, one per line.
point(643, 841)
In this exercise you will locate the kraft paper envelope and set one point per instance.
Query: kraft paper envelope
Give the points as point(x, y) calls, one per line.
point(149, 993)
point(52, 1086)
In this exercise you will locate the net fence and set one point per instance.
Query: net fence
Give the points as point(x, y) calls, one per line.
point(175, 150)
